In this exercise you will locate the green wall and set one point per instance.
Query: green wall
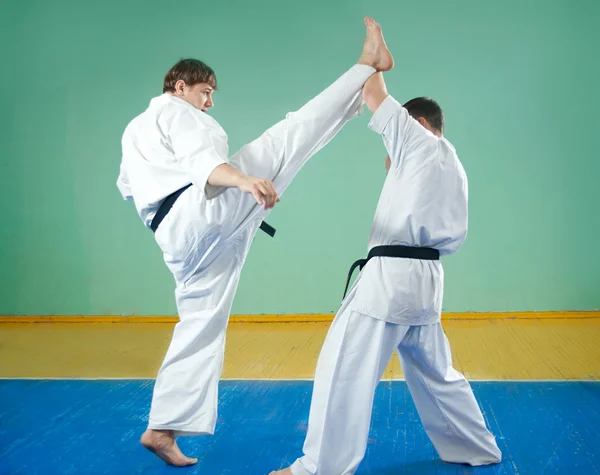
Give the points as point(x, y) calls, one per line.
point(517, 80)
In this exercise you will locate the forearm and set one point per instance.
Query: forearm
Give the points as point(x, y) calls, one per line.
point(226, 175)
point(261, 188)
point(375, 92)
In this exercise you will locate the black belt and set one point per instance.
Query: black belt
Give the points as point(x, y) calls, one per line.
point(408, 252)
point(168, 203)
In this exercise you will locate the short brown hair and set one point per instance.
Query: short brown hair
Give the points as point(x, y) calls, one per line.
point(191, 71)
point(427, 108)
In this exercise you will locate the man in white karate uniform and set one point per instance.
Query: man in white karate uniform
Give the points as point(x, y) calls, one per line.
point(396, 302)
point(205, 208)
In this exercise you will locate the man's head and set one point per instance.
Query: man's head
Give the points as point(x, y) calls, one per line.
point(193, 81)
point(428, 113)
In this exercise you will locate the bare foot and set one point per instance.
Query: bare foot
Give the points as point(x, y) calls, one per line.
point(375, 52)
point(286, 471)
point(162, 443)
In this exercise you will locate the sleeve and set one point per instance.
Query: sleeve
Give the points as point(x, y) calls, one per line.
point(401, 133)
point(195, 147)
point(123, 184)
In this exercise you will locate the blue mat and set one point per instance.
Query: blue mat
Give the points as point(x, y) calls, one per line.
point(93, 427)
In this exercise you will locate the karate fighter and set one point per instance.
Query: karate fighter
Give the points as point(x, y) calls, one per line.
point(205, 208)
point(396, 302)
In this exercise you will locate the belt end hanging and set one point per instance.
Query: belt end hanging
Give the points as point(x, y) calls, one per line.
point(360, 264)
point(270, 230)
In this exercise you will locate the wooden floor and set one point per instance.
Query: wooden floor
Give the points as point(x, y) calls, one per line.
point(494, 349)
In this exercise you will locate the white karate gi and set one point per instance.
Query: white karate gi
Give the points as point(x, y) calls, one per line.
point(396, 303)
point(206, 235)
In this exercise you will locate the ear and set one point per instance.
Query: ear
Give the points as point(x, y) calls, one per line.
point(180, 86)
point(423, 122)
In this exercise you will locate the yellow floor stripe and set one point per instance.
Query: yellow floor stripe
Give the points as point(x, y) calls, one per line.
point(286, 318)
point(528, 348)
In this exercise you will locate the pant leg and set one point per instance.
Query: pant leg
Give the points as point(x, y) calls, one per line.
point(186, 389)
point(282, 150)
point(355, 354)
point(444, 399)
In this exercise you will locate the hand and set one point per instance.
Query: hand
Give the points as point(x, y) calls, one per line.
point(262, 189)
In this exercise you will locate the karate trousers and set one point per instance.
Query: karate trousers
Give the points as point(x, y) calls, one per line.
point(205, 241)
point(356, 352)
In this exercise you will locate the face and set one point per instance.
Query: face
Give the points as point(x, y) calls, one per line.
point(198, 95)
